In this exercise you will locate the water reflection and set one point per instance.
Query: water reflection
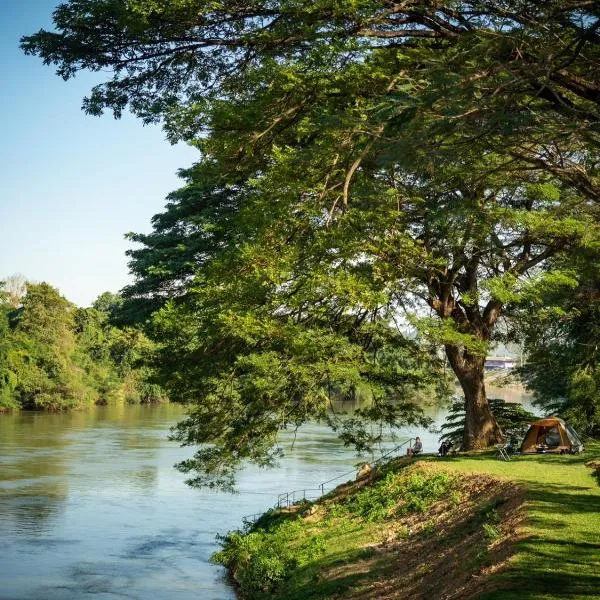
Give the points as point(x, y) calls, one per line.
point(90, 504)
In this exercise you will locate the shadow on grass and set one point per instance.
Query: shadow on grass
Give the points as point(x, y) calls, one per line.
point(308, 583)
point(540, 583)
point(554, 568)
point(563, 559)
point(550, 505)
point(566, 562)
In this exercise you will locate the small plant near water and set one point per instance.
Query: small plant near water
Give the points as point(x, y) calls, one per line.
point(259, 560)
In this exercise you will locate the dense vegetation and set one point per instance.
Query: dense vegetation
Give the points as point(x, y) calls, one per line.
point(56, 356)
point(279, 546)
point(366, 168)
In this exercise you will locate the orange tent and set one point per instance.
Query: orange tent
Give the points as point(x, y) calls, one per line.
point(551, 435)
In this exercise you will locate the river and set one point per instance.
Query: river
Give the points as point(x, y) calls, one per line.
point(91, 506)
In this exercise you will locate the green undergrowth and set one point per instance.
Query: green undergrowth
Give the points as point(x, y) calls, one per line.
point(285, 550)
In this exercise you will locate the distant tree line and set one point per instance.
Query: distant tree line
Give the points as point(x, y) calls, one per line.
point(57, 356)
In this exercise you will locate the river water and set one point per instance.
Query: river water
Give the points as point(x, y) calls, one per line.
point(91, 506)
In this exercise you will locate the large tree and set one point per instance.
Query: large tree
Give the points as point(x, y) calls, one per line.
point(458, 241)
point(357, 157)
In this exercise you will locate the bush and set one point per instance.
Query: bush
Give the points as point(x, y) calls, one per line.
point(260, 560)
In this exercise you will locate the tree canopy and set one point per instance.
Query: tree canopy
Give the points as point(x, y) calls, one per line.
point(365, 166)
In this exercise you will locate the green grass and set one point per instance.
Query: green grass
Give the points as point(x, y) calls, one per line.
point(333, 553)
point(286, 555)
point(560, 555)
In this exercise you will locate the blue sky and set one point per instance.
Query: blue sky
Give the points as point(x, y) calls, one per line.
point(71, 185)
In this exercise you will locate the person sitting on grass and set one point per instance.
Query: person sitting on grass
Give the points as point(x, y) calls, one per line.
point(416, 449)
point(445, 448)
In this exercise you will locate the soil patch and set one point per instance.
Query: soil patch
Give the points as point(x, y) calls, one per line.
point(449, 552)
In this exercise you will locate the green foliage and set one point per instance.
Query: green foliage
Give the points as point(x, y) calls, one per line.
point(491, 532)
point(7, 377)
point(561, 332)
point(301, 289)
point(55, 356)
point(362, 164)
point(42, 354)
point(535, 61)
point(262, 559)
point(491, 519)
point(400, 494)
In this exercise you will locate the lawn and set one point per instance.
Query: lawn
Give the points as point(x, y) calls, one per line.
point(559, 556)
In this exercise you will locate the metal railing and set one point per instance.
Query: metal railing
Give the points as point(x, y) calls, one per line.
point(287, 499)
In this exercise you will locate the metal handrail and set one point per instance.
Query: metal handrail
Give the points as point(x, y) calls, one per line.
point(321, 487)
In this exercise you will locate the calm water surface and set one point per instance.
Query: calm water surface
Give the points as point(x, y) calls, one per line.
point(90, 505)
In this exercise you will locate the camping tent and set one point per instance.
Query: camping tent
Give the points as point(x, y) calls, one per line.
point(551, 435)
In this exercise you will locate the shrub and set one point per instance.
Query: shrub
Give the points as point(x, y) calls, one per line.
point(260, 560)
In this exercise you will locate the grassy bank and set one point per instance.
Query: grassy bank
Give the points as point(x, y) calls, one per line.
point(469, 526)
point(559, 553)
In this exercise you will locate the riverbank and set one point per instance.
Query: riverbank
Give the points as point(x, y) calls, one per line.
point(466, 527)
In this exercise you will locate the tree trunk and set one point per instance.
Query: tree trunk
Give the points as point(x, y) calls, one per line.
point(481, 428)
